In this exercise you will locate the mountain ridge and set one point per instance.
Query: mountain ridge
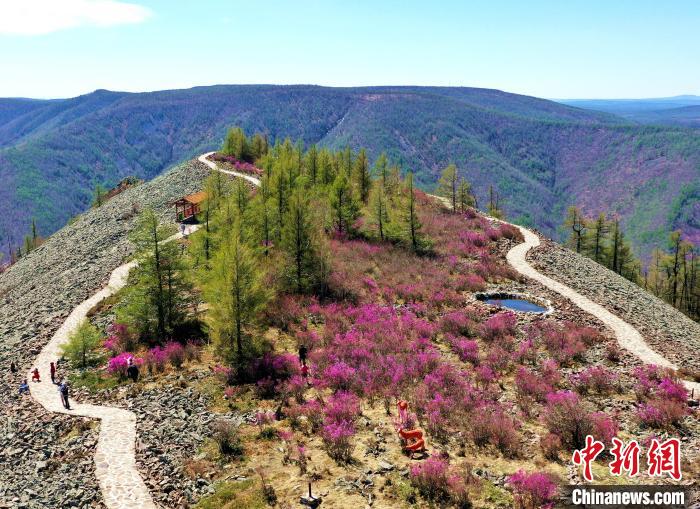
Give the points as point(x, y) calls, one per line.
point(540, 155)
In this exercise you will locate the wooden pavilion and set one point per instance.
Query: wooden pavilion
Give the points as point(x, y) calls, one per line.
point(188, 206)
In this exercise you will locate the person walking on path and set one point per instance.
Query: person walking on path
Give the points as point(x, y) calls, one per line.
point(53, 373)
point(63, 390)
point(35, 375)
point(303, 352)
point(13, 368)
point(24, 387)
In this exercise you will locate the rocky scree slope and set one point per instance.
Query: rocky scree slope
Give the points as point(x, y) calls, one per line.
point(665, 329)
point(48, 459)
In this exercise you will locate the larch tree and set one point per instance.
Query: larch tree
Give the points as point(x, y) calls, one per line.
point(381, 169)
point(342, 203)
point(236, 144)
point(311, 164)
point(300, 241)
point(236, 292)
point(378, 205)
point(413, 224)
point(155, 300)
point(494, 204)
point(363, 179)
point(576, 222)
point(81, 343)
point(447, 185)
point(465, 197)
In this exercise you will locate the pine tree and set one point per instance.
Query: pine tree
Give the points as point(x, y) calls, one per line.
point(598, 231)
point(447, 185)
point(258, 146)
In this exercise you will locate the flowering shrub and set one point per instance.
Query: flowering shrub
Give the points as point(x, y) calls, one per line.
point(604, 427)
point(470, 283)
point(467, 350)
point(533, 490)
point(526, 352)
point(563, 343)
point(156, 359)
point(342, 406)
point(498, 359)
point(530, 386)
point(566, 417)
point(339, 376)
point(500, 325)
point(490, 425)
point(241, 166)
point(118, 365)
point(175, 354)
point(337, 437)
point(458, 322)
point(120, 339)
point(551, 446)
point(594, 378)
point(508, 231)
point(431, 478)
point(271, 370)
point(662, 413)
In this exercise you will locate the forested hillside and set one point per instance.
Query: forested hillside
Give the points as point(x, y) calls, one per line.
point(538, 155)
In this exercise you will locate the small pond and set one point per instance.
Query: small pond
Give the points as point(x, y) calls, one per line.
point(516, 302)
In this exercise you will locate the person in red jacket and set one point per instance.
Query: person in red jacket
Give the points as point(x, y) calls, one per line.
point(35, 375)
point(53, 373)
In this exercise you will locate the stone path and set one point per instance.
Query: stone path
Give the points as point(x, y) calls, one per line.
point(627, 336)
point(203, 159)
point(115, 462)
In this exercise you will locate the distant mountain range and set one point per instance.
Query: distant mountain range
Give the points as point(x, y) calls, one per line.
point(541, 155)
point(682, 110)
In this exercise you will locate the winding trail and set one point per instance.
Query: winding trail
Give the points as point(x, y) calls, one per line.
point(627, 336)
point(115, 456)
point(115, 461)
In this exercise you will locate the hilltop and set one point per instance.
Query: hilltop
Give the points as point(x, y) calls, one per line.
point(541, 156)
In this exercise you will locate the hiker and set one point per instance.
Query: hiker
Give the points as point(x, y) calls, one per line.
point(305, 371)
point(35, 375)
point(303, 351)
point(132, 372)
point(24, 387)
point(63, 390)
point(13, 368)
point(182, 229)
point(52, 368)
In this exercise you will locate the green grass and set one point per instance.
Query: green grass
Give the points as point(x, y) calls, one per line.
point(92, 381)
point(234, 495)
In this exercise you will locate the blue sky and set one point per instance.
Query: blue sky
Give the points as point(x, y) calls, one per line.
point(553, 49)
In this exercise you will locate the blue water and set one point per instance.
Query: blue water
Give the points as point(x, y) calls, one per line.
point(517, 305)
